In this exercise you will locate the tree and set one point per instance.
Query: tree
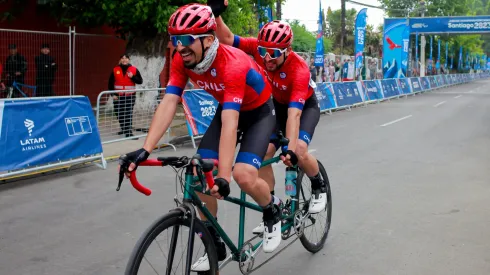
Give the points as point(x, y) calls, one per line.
point(305, 41)
point(334, 27)
point(143, 24)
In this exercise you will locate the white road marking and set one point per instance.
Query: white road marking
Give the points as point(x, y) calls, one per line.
point(395, 121)
point(458, 96)
point(311, 150)
point(439, 104)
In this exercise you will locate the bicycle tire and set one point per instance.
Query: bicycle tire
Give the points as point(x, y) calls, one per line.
point(173, 218)
point(315, 247)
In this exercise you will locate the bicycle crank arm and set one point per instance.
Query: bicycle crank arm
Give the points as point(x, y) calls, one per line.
point(273, 256)
point(226, 261)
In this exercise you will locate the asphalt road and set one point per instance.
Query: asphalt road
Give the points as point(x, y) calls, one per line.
point(411, 192)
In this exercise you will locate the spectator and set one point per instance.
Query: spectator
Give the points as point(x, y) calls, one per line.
point(45, 72)
point(124, 78)
point(313, 71)
point(15, 67)
point(2, 85)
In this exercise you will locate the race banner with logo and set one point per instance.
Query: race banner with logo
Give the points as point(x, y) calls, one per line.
point(415, 84)
point(424, 83)
point(390, 88)
point(325, 96)
point(432, 81)
point(41, 131)
point(360, 34)
point(319, 40)
point(394, 30)
point(199, 108)
point(404, 86)
point(372, 90)
point(346, 93)
point(460, 24)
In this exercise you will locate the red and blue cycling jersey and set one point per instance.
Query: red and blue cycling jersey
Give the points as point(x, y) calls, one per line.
point(290, 83)
point(234, 79)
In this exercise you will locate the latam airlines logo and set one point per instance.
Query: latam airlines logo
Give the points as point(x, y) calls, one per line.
point(30, 144)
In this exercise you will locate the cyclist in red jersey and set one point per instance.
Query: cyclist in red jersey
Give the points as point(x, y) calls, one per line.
point(297, 109)
point(244, 95)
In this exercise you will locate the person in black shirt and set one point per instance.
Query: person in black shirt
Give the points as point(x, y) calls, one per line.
point(123, 79)
point(45, 72)
point(15, 67)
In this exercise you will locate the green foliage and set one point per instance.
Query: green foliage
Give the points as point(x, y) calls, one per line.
point(304, 40)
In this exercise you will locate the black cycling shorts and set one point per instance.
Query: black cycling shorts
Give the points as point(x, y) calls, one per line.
point(308, 121)
point(255, 128)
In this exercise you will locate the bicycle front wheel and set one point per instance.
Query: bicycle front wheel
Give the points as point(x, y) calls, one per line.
point(162, 249)
point(317, 225)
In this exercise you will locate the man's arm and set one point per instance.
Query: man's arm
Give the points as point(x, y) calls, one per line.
point(292, 127)
point(223, 33)
point(227, 143)
point(161, 120)
point(137, 79)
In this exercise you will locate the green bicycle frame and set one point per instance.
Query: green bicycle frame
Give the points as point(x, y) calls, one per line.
point(191, 195)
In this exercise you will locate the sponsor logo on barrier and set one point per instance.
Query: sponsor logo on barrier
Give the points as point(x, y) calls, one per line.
point(256, 161)
point(29, 125)
point(205, 102)
point(419, 26)
point(78, 126)
point(217, 87)
point(355, 92)
point(319, 95)
point(341, 96)
point(30, 144)
point(371, 90)
point(415, 84)
point(208, 111)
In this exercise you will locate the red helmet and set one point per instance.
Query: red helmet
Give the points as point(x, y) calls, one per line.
point(192, 19)
point(276, 34)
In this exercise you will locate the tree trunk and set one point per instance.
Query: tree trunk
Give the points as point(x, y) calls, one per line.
point(148, 55)
point(278, 10)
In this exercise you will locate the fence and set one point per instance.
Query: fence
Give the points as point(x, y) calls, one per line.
point(331, 96)
point(57, 63)
point(119, 117)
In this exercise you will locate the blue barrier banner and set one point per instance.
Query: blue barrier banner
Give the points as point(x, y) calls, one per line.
point(460, 24)
point(325, 96)
point(432, 81)
point(415, 83)
point(404, 85)
point(372, 90)
point(346, 93)
point(425, 83)
point(199, 108)
point(441, 81)
point(41, 131)
point(390, 87)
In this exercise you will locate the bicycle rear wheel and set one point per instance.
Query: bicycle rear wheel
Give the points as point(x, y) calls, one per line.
point(323, 219)
point(178, 226)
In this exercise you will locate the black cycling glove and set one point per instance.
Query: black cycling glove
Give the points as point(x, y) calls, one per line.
point(135, 157)
point(224, 187)
point(294, 158)
point(217, 6)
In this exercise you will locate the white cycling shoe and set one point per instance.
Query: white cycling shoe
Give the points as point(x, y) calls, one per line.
point(201, 265)
point(317, 203)
point(272, 236)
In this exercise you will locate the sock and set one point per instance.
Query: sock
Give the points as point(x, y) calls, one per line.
point(315, 181)
point(276, 200)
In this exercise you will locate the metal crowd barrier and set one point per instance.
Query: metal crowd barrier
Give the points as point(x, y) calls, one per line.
point(127, 117)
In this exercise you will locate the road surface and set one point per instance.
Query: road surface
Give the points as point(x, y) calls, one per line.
point(411, 195)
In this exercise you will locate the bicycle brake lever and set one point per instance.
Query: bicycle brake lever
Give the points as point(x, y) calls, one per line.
point(121, 177)
point(122, 168)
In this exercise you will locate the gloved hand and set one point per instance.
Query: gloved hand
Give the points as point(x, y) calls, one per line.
point(218, 6)
point(292, 160)
point(130, 161)
point(221, 188)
